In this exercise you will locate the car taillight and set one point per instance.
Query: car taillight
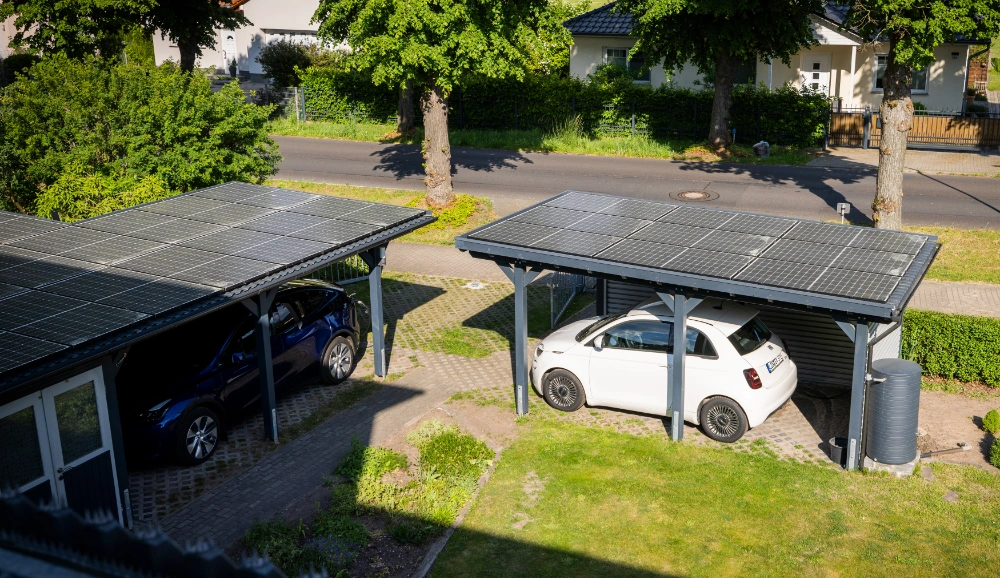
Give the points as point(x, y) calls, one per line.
point(753, 380)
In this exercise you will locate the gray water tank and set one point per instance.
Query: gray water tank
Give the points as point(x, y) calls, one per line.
point(893, 408)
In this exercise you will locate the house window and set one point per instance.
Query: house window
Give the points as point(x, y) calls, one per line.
point(619, 57)
point(918, 81)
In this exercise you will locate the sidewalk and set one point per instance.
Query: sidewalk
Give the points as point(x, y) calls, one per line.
point(447, 261)
point(917, 161)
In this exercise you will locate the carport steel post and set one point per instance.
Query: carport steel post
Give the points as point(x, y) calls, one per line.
point(260, 306)
point(520, 276)
point(375, 259)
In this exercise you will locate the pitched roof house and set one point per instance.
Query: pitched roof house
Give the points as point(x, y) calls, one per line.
point(841, 64)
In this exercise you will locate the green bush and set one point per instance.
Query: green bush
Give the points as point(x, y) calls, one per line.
point(18, 64)
point(281, 59)
point(279, 539)
point(457, 455)
point(129, 120)
point(995, 453)
point(77, 195)
point(991, 422)
point(603, 104)
point(961, 347)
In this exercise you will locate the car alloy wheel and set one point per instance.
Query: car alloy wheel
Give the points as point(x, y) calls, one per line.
point(722, 420)
point(563, 392)
point(202, 435)
point(341, 360)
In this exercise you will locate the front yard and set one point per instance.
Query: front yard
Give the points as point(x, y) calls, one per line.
point(568, 500)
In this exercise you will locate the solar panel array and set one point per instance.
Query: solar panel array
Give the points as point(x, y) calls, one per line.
point(62, 285)
point(845, 261)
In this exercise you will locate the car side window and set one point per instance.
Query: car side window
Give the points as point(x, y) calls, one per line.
point(656, 336)
point(309, 301)
point(639, 336)
point(243, 341)
point(282, 318)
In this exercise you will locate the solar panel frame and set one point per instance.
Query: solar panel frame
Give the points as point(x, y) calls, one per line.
point(231, 214)
point(585, 243)
point(646, 253)
point(166, 262)
point(232, 192)
point(225, 272)
point(514, 233)
point(697, 217)
point(710, 263)
point(113, 250)
point(881, 262)
point(31, 306)
point(176, 230)
point(330, 207)
point(670, 234)
point(183, 206)
point(159, 297)
point(99, 284)
point(551, 216)
point(125, 222)
point(229, 241)
point(14, 256)
point(21, 227)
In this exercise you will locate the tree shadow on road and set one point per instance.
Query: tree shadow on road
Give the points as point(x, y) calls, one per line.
point(803, 177)
point(406, 161)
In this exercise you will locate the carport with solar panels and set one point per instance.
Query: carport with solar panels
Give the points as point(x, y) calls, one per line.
point(74, 297)
point(860, 277)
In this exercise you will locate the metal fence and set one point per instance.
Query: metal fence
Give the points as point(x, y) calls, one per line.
point(563, 287)
point(862, 127)
point(350, 270)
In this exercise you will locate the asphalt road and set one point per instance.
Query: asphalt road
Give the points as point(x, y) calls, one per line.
point(514, 180)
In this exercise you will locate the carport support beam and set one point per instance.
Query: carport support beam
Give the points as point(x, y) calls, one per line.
point(260, 306)
point(681, 306)
point(375, 259)
point(858, 385)
point(520, 276)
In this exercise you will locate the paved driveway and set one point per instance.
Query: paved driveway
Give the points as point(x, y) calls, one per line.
point(513, 180)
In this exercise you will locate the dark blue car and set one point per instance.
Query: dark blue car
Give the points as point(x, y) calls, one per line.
point(178, 391)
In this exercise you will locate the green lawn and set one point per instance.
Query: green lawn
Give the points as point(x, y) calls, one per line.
point(970, 255)
point(560, 141)
point(599, 503)
point(993, 82)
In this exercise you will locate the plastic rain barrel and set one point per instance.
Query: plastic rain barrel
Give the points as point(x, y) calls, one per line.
point(893, 408)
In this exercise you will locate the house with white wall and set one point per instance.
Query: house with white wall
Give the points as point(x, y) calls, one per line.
point(270, 20)
point(841, 65)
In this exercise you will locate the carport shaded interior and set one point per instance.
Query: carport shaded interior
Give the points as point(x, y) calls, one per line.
point(843, 261)
point(65, 285)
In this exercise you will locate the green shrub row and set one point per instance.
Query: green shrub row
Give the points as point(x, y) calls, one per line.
point(608, 102)
point(961, 347)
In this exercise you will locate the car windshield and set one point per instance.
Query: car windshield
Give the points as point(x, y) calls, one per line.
point(597, 325)
point(750, 337)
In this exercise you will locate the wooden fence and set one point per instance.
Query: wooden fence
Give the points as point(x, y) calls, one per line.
point(931, 129)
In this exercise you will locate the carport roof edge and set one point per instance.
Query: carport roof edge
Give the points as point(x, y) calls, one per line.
point(692, 283)
point(15, 381)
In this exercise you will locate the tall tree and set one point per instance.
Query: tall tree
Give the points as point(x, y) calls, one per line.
point(720, 35)
point(88, 27)
point(76, 29)
point(910, 31)
point(436, 45)
point(192, 24)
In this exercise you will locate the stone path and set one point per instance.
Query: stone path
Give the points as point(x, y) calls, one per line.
point(985, 163)
point(966, 298)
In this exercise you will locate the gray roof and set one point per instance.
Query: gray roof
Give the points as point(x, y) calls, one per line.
point(601, 22)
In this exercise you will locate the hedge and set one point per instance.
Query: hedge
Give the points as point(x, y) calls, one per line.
point(607, 103)
point(961, 347)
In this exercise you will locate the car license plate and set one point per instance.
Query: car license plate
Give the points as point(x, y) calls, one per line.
point(774, 363)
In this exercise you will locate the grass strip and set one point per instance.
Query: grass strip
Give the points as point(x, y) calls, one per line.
point(567, 500)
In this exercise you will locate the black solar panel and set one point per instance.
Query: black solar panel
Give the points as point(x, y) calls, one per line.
point(20, 227)
point(839, 260)
point(43, 271)
point(158, 297)
point(81, 324)
point(64, 285)
point(17, 350)
point(176, 230)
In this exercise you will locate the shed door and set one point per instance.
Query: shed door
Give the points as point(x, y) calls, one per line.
point(816, 72)
point(79, 434)
point(25, 463)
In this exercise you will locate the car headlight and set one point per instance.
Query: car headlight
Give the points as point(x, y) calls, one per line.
point(156, 412)
point(539, 349)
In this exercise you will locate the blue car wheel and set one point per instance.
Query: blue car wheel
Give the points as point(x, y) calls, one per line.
point(338, 360)
point(197, 435)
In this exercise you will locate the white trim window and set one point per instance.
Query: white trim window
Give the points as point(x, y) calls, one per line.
point(918, 82)
point(620, 57)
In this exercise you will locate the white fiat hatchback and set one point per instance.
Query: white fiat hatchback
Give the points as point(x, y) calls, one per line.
point(736, 374)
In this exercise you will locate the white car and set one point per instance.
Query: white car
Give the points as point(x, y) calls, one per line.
point(736, 374)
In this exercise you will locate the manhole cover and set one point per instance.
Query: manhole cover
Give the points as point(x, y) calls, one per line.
point(474, 285)
point(694, 196)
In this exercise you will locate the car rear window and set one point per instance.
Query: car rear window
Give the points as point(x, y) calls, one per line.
point(750, 337)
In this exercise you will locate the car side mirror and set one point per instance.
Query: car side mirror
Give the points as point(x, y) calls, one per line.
point(238, 357)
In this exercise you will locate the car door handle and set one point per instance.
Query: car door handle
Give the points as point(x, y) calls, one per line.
point(63, 470)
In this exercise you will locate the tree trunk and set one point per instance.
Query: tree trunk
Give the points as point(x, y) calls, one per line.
point(437, 150)
point(896, 113)
point(189, 53)
point(404, 109)
point(726, 66)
